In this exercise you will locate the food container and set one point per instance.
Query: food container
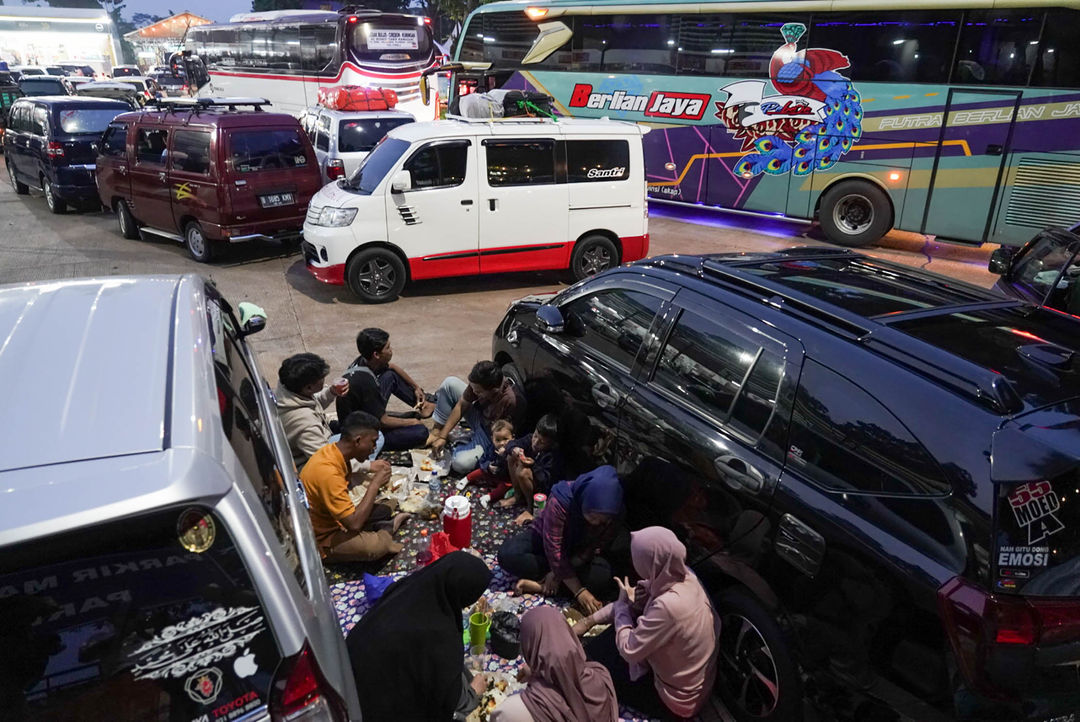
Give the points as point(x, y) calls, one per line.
point(457, 521)
point(506, 635)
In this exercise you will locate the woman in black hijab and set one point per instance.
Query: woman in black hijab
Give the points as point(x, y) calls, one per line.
point(407, 652)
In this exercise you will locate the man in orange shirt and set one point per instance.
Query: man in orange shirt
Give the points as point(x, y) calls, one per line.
point(342, 529)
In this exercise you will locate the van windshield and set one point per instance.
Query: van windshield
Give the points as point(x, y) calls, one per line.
point(150, 617)
point(377, 165)
point(361, 134)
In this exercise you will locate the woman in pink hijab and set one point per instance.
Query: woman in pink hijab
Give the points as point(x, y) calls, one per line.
point(563, 687)
point(662, 652)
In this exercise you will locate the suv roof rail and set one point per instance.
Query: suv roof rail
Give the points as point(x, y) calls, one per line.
point(511, 119)
point(197, 104)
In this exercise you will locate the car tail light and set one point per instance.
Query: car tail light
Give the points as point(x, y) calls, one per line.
point(335, 169)
point(427, 21)
point(300, 692)
point(54, 149)
point(978, 623)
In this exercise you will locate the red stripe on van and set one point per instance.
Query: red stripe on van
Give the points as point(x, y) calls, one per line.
point(634, 247)
point(334, 275)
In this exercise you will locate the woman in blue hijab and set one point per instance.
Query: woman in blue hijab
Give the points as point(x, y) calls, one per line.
point(566, 541)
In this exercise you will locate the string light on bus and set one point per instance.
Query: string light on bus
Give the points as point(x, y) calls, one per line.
point(536, 13)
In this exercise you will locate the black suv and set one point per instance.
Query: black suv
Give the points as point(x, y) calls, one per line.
point(51, 143)
point(874, 469)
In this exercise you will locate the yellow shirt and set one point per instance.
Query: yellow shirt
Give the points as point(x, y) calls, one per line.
point(325, 480)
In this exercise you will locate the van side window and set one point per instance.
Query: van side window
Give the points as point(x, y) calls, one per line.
point(591, 161)
point(614, 323)
point(191, 151)
point(520, 163)
point(151, 145)
point(40, 121)
point(115, 141)
point(440, 165)
point(18, 117)
point(845, 440)
point(322, 133)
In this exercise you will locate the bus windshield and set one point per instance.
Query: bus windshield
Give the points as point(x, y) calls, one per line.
point(390, 41)
point(375, 167)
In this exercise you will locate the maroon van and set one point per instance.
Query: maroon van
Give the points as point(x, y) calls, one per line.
point(205, 172)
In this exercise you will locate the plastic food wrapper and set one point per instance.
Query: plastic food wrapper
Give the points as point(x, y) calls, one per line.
point(375, 586)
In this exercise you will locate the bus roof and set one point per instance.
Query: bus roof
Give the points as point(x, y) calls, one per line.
point(594, 7)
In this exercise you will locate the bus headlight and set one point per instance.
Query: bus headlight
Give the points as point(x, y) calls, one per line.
point(336, 217)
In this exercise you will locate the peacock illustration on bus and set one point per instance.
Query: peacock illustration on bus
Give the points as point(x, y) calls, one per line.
point(811, 117)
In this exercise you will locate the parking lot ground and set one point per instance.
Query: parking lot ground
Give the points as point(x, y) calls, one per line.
point(438, 327)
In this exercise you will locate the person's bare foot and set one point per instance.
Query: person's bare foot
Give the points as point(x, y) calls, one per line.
point(505, 503)
point(400, 519)
point(527, 586)
point(523, 518)
point(427, 409)
point(392, 525)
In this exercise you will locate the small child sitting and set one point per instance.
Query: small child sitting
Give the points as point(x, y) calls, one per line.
point(493, 470)
point(534, 463)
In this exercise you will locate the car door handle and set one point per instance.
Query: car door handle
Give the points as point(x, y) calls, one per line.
point(604, 396)
point(121, 170)
point(739, 475)
point(161, 177)
point(467, 202)
point(994, 149)
point(493, 204)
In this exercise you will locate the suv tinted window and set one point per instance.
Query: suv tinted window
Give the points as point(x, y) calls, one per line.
point(614, 323)
point(92, 621)
point(844, 439)
point(519, 163)
point(151, 146)
point(256, 150)
point(590, 161)
point(191, 151)
point(1037, 537)
point(440, 165)
point(362, 135)
point(114, 142)
point(322, 133)
point(40, 121)
point(86, 120)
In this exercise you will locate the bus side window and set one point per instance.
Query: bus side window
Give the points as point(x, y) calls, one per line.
point(997, 47)
point(1059, 55)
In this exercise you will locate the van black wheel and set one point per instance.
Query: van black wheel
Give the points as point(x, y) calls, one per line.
point(757, 678)
point(592, 255)
point(55, 204)
point(199, 246)
point(855, 213)
point(128, 227)
point(20, 188)
point(375, 275)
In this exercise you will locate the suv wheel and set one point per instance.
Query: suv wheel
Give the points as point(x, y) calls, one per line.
point(510, 371)
point(128, 228)
point(855, 213)
point(198, 245)
point(592, 255)
point(375, 275)
point(55, 204)
point(20, 188)
point(756, 676)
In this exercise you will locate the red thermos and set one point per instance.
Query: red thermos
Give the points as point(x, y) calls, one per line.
point(457, 521)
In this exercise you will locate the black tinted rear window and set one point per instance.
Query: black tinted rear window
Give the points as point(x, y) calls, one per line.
point(861, 286)
point(151, 617)
point(256, 150)
point(86, 120)
point(1036, 350)
point(42, 86)
point(361, 135)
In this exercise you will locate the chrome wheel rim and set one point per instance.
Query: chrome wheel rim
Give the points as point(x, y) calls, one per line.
point(853, 214)
point(196, 242)
point(594, 260)
point(376, 277)
point(49, 199)
point(121, 217)
point(749, 673)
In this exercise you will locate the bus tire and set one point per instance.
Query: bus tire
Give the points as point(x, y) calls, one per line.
point(855, 213)
point(757, 677)
point(376, 275)
point(592, 254)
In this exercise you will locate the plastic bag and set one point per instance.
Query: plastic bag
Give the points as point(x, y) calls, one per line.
point(374, 586)
point(440, 546)
point(356, 97)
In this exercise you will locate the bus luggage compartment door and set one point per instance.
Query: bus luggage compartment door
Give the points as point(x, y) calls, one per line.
point(969, 164)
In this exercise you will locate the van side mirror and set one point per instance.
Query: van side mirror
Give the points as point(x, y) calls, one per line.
point(549, 320)
point(401, 182)
point(1001, 261)
point(424, 90)
point(252, 318)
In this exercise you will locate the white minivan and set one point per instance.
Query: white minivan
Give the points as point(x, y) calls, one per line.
point(460, 197)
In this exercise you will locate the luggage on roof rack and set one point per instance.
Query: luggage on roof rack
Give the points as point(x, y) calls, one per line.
point(506, 104)
point(356, 97)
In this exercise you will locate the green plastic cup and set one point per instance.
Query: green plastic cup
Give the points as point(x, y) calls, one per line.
point(478, 631)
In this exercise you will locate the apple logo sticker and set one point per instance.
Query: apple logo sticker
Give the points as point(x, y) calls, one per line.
point(244, 665)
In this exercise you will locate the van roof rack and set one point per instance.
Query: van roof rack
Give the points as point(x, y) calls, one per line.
point(198, 104)
point(511, 119)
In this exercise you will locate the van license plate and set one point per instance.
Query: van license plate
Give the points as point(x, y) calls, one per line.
point(277, 199)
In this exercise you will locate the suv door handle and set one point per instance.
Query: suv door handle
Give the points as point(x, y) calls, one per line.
point(604, 396)
point(739, 475)
point(467, 202)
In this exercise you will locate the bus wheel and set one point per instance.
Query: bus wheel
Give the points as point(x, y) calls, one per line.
point(592, 255)
point(375, 275)
point(855, 213)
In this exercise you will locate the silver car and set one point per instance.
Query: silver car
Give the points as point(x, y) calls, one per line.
point(156, 556)
point(343, 138)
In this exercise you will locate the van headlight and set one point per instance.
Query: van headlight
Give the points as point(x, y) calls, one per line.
point(336, 217)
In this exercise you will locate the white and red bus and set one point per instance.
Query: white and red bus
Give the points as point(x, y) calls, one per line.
point(285, 56)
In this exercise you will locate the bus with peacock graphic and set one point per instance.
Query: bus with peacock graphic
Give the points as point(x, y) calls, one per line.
point(955, 120)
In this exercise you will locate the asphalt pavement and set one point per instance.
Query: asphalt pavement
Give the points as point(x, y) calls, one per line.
point(437, 328)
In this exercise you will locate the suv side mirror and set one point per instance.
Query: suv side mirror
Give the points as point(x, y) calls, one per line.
point(549, 320)
point(252, 318)
point(1001, 261)
point(401, 182)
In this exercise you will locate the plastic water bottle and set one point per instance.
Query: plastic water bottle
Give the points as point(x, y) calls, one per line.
point(434, 487)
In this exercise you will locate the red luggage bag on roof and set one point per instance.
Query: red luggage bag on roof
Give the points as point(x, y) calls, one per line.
point(357, 97)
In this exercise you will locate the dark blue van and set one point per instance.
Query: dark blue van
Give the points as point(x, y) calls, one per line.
point(51, 143)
